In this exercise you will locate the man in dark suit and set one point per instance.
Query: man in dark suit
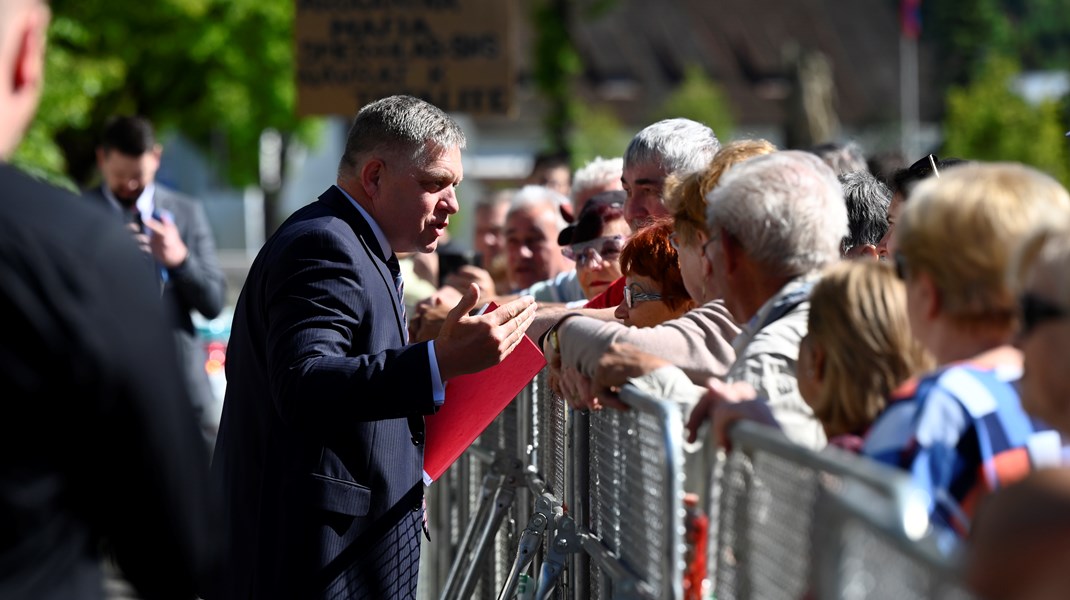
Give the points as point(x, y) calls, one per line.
point(320, 446)
point(99, 448)
point(174, 233)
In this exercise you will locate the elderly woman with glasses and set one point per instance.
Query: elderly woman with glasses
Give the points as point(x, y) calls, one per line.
point(654, 290)
point(596, 240)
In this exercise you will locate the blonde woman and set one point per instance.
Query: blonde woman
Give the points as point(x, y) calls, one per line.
point(960, 430)
point(857, 350)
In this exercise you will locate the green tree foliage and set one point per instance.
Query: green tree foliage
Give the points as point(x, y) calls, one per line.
point(597, 132)
point(218, 71)
point(556, 63)
point(968, 32)
point(988, 121)
point(699, 98)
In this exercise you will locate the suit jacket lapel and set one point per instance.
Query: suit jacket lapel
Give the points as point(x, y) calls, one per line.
point(340, 205)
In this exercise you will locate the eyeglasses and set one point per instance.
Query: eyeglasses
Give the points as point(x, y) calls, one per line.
point(1034, 311)
point(674, 241)
point(600, 249)
point(633, 297)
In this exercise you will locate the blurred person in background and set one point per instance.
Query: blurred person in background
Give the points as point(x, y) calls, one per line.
point(842, 157)
point(595, 241)
point(961, 430)
point(102, 459)
point(597, 176)
point(552, 170)
point(654, 290)
point(536, 265)
point(172, 229)
point(867, 214)
point(903, 183)
point(1040, 273)
point(1019, 546)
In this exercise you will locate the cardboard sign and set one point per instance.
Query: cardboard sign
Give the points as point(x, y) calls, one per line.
point(457, 54)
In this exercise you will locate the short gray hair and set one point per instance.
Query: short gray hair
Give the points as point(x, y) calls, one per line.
point(401, 125)
point(677, 145)
point(538, 196)
point(786, 209)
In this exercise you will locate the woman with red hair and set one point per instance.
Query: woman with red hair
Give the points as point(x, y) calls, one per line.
point(653, 287)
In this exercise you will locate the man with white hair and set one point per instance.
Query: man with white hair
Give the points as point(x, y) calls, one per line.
point(597, 176)
point(774, 221)
point(535, 263)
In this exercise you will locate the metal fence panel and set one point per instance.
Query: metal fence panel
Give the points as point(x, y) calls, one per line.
point(768, 497)
point(858, 557)
point(636, 492)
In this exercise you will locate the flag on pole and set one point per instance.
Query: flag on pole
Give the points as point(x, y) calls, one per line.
point(910, 18)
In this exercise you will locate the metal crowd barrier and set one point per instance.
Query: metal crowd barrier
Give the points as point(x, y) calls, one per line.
point(857, 555)
point(583, 505)
point(770, 491)
point(571, 505)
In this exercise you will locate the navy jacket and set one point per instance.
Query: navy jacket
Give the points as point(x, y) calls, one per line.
point(319, 450)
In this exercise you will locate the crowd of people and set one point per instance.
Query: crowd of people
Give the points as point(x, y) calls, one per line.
point(896, 316)
point(915, 317)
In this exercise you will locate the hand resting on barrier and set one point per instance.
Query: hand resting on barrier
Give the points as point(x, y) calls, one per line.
point(621, 363)
point(725, 404)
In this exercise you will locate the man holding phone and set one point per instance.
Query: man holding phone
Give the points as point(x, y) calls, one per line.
point(173, 231)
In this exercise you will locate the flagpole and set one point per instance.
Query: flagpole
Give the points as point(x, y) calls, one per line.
point(908, 96)
point(908, 81)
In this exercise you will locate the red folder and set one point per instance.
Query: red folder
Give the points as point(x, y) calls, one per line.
point(472, 402)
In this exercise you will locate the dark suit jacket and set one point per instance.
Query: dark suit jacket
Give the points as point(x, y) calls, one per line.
point(198, 284)
point(98, 443)
point(316, 452)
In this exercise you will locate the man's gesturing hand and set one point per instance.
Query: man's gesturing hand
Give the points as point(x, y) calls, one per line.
point(470, 344)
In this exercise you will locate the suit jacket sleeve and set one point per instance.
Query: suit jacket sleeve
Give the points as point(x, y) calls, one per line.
point(334, 347)
point(199, 281)
point(699, 342)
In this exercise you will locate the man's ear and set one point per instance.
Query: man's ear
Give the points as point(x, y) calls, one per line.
point(370, 175)
point(30, 51)
point(868, 252)
point(732, 250)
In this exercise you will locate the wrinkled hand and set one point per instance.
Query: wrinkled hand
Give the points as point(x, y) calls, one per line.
point(620, 363)
point(165, 242)
point(470, 344)
point(723, 405)
point(430, 314)
point(468, 274)
point(575, 388)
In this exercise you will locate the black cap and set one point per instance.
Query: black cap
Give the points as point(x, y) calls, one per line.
point(591, 215)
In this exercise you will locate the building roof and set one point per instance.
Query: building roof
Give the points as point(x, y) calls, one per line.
point(636, 52)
